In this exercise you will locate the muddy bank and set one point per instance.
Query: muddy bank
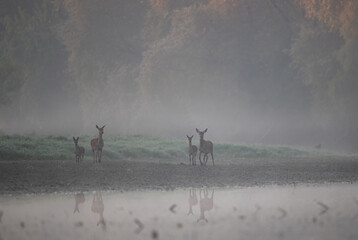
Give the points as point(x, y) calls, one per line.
point(18, 177)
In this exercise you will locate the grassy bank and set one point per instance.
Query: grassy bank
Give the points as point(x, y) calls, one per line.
point(132, 147)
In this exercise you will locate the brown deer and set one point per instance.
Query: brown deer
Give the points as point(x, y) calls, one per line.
point(206, 204)
point(98, 207)
point(192, 150)
point(97, 145)
point(193, 200)
point(205, 147)
point(79, 151)
point(79, 198)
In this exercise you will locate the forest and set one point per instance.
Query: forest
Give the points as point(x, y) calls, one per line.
point(261, 71)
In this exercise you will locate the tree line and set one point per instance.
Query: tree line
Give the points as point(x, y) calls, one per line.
point(69, 64)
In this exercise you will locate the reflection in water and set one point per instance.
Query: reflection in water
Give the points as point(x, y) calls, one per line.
point(193, 200)
point(98, 207)
point(268, 212)
point(79, 198)
point(206, 203)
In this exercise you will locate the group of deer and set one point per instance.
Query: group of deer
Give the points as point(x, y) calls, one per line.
point(205, 147)
point(96, 145)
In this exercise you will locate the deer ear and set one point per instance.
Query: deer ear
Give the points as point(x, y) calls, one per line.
point(78, 138)
point(205, 130)
point(103, 126)
point(192, 136)
point(97, 126)
point(187, 136)
point(197, 130)
point(73, 138)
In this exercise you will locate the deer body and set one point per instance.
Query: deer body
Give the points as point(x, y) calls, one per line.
point(205, 147)
point(192, 150)
point(97, 145)
point(79, 151)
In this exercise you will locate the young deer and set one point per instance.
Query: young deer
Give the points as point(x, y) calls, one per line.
point(205, 147)
point(97, 145)
point(79, 151)
point(192, 150)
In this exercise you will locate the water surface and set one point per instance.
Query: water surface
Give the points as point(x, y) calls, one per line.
point(272, 212)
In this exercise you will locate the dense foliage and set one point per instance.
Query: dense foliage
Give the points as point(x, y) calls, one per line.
point(158, 65)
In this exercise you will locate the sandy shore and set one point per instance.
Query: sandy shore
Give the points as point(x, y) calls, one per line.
point(18, 177)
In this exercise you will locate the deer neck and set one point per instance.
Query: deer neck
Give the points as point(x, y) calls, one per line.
point(100, 140)
point(202, 142)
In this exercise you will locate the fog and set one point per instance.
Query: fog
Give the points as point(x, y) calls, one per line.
point(270, 72)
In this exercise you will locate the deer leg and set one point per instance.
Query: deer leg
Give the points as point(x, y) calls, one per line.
point(201, 163)
point(94, 155)
point(205, 158)
point(100, 154)
point(189, 159)
point(212, 157)
point(194, 159)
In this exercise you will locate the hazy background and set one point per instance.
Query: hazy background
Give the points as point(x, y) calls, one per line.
point(262, 71)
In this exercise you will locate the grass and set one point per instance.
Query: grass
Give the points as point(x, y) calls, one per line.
point(132, 147)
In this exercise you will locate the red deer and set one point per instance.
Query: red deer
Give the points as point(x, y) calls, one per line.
point(193, 200)
point(205, 147)
point(79, 198)
point(192, 150)
point(79, 151)
point(97, 145)
point(206, 204)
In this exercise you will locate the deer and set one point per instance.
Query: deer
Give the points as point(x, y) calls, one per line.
point(205, 147)
point(79, 151)
point(79, 198)
point(97, 145)
point(192, 150)
point(206, 204)
point(98, 207)
point(193, 200)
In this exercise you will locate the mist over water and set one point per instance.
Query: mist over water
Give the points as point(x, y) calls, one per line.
point(249, 71)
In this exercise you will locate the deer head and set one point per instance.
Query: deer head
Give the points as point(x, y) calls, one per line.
point(201, 133)
point(75, 140)
point(100, 130)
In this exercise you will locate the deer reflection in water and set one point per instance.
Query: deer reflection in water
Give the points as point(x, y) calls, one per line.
point(193, 200)
point(206, 203)
point(79, 198)
point(98, 207)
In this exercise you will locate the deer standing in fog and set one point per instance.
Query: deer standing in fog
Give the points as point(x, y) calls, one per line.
point(192, 150)
point(97, 145)
point(79, 198)
point(193, 200)
point(206, 204)
point(98, 207)
point(79, 151)
point(205, 147)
